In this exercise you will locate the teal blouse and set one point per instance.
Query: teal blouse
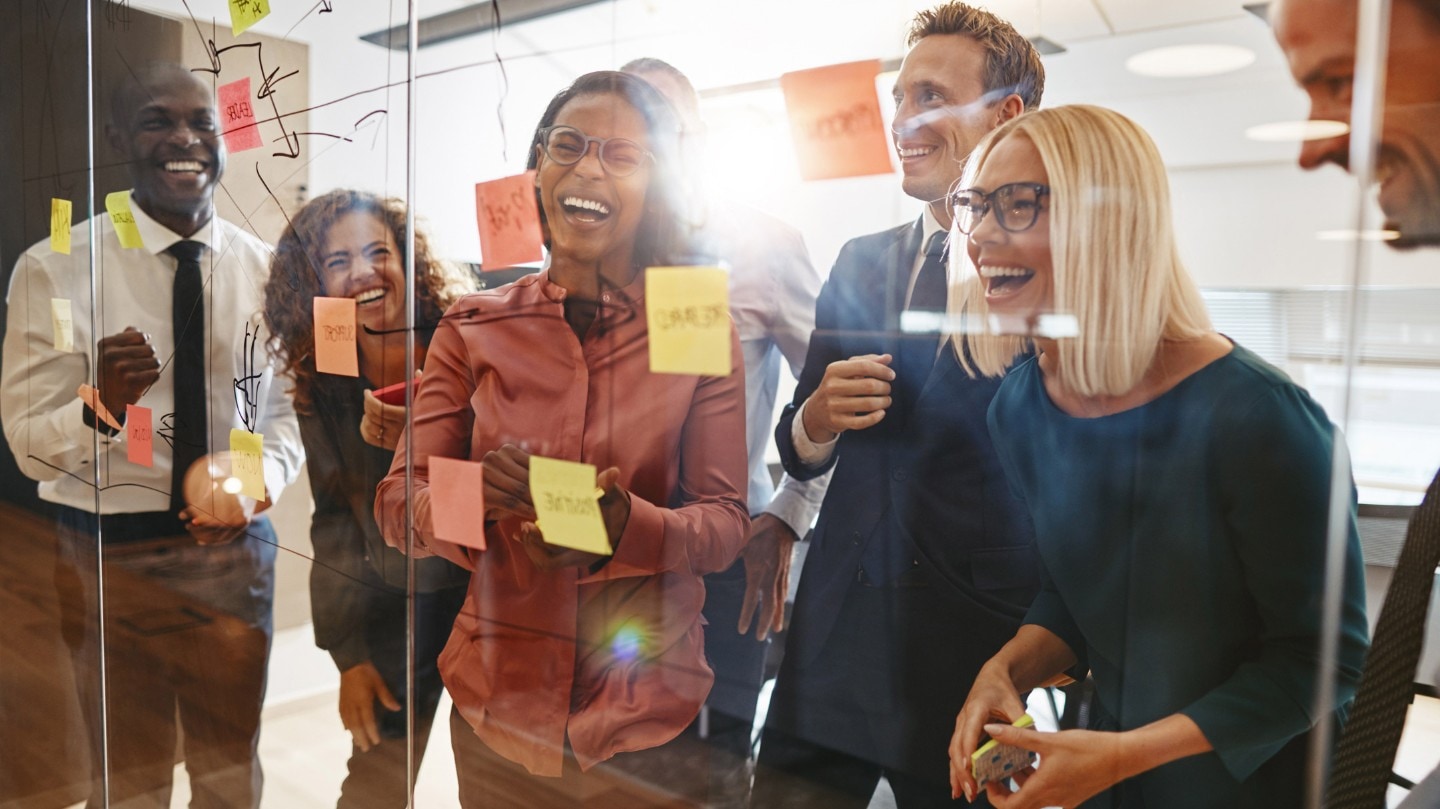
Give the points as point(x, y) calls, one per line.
point(1183, 547)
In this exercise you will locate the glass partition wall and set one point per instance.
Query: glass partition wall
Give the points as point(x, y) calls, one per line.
point(378, 435)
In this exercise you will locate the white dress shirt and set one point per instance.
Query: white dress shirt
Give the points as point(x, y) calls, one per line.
point(817, 453)
point(43, 417)
point(773, 288)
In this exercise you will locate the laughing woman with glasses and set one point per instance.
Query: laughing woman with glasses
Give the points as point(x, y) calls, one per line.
point(573, 673)
point(1179, 484)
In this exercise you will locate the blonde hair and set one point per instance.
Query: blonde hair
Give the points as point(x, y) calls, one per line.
point(1112, 243)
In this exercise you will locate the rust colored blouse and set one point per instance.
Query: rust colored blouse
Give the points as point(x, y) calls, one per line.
point(611, 661)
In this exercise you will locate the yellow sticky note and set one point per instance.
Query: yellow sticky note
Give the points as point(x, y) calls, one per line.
point(245, 13)
point(60, 225)
point(688, 311)
point(564, 497)
point(246, 450)
point(63, 324)
point(118, 204)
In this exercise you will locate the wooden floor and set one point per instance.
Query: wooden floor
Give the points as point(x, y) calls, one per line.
point(303, 746)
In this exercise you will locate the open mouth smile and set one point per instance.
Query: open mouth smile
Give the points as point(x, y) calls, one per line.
point(585, 210)
point(1003, 282)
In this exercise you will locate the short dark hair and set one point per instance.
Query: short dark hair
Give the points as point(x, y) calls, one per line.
point(649, 64)
point(1011, 61)
point(662, 239)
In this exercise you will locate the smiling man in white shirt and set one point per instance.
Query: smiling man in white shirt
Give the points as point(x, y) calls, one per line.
point(188, 579)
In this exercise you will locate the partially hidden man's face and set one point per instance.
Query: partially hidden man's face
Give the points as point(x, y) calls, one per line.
point(171, 137)
point(940, 113)
point(1318, 37)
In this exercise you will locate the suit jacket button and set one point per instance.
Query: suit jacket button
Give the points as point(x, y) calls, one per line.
point(901, 475)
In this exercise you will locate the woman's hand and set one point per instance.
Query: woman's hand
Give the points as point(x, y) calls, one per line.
point(382, 423)
point(1075, 765)
point(993, 696)
point(507, 484)
point(360, 687)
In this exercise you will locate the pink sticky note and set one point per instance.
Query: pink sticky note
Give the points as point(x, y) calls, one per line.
point(835, 121)
point(335, 351)
point(237, 116)
point(139, 440)
point(90, 396)
point(457, 501)
point(509, 222)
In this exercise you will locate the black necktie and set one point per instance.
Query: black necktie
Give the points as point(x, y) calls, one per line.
point(189, 427)
point(1366, 752)
point(929, 292)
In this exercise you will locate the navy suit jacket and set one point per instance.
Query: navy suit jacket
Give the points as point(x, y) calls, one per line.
point(926, 476)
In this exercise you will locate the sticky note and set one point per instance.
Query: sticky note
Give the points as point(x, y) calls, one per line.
point(835, 121)
point(237, 116)
point(60, 225)
point(246, 451)
point(457, 501)
point(564, 497)
point(62, 322)
point(245, 13)
point(118, 204)
point(335, 351)
point(90, 396)
point(139, 440)
point(509, 222)
point(688, 311)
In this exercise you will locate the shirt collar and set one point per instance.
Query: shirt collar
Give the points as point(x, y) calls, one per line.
point(158, 238)
point(929, 226)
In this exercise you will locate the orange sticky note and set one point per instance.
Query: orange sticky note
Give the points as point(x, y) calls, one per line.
point(335, 351)
point(139, 440)
point(246, 451)
point(60, 225)
point(90, 396)
point(245, 13)
point(118, 204)
point(835, 121)
point(457, 501)
point(509, 222)
point(688, 313)
point(62, 324)
point(238, 116)
point(564, 497)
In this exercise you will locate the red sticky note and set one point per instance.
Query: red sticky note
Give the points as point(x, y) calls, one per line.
point(139, 440)
point(335, 351)
point(237, 116)
point(457, 501)
point(835, 121)
point(90, 396)
point(509, 222)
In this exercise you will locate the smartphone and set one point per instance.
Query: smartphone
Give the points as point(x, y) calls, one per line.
point(999, 762)
point(393, 394)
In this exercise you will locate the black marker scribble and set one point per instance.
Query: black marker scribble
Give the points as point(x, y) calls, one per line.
point(247, 387)
point(117, 12)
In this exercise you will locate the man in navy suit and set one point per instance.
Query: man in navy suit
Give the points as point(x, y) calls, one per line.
point(922, 563)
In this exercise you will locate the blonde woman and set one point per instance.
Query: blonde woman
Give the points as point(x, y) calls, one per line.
point(1179, 484)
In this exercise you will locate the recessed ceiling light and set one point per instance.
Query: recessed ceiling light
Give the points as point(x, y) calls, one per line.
point(1287, 131)
point(1181, 61)
point(1347, 235)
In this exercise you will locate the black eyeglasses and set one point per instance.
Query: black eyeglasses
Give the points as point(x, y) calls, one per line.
point(1016, 206)
point(567, 146)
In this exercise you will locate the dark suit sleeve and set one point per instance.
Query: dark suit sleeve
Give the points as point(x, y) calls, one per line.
point(825, 348)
